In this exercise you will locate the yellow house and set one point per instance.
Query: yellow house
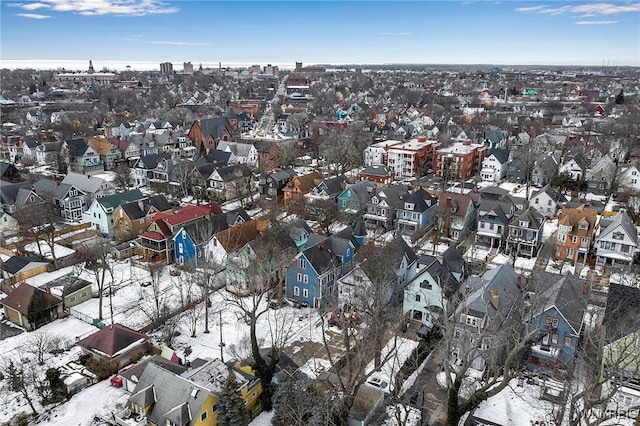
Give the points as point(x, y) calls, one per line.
point(163, 398)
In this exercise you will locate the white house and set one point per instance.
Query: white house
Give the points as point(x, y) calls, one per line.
point(100, 213)
point(630, 178)
point(376, 154)
point(8, 225)
point(617, 244)
point(547, 201)
point(494, 166)
point(573, 169)
point(244, 153)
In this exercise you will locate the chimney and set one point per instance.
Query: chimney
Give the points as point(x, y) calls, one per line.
point(519, 282)
point(495, 299)
point(321, 246)
point(49, 289)
point(467, 290)
point(587, 203)
point(585, 287)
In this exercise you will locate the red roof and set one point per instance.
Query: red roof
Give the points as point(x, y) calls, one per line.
point(21, 296)
point(153, 235)
point(112, 339)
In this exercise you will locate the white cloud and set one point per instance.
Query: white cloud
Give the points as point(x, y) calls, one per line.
point(590, 9)
point(596, 22)
point(103, 7)
point(33, 16)
point(179, 43)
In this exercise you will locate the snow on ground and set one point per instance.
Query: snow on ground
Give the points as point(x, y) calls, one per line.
point(516, 405)
point(523, 264)
point(314, 367)
point(402, 415)
point(59, 251)
point(550, 226)
point(394, 355)
point(560, 267)
point(263, 419)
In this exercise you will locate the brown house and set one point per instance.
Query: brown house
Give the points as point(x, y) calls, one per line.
point(297, 188)
point(45, 307)
point(116, 345)
point(132, 219)
point(576, 228)
point(205, 134)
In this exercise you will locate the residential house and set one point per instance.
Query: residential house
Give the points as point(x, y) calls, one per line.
point(494, 165)
point(427, 295)
point(92, 186)
point(525, 233)
point(156, 243)
point(455, 215)
point(629, 178)
point(81, 157)
point(574, 168)
point(190, 241)
point(100, 213)
point(416, 212)
point(299, 186)
point(131, 219)
point(381, 271)
point(115, 345)
point(143, 168)
point(378, 173)
point(326, 191)
point(162, 397)
point(16, 307)
point(129, 151)
point(353, 200)
point(490, 309)
point(601, 174)
point(544, 169)
point(69, 202)
point(559, 322)
point(621, 353)
point(517, 170)
point(495, 138)
point(271, 185)
point(8, 172)
point(244, 153)
point(617, 243)
point(383, 205)
point(312, 274)
point(8, 226)
point(48, 154)
point(108, 152)
point(17, 196)
point(546, 201)
point(576, 228)
point(227, 242)
point(459, 161)
point(494, 217)
point(231, 182)
point(376, 153)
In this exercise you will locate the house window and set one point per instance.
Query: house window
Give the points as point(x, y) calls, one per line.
point(482, 225)
point(418, 297)
point(624, 248)
point(545, 339)
point(296, 291)
point(618, 235)
point(568, 341)
point(426, 284)
point(302, 264)
point(83, 294)
point(536, 201)
point(299, 277)
point(554, 339)
point(305, 279)
point(203, 416)
point(305, 293)
point(72, 299)
point(180, 249)
point(456, 334)
point(574, 239)
point(472, 321)
point(548, 202)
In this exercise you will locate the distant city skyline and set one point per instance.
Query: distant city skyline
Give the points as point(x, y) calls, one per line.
point(142, 34)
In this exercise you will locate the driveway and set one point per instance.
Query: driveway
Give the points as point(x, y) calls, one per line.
point(8, 330)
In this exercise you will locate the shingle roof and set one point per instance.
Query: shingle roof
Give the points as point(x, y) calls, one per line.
point(565, 292)
point(621, 219)
point(21, 296)
point(621, 313)
point(113, 201)
point(112, 339)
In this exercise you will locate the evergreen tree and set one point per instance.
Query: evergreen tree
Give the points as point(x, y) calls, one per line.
point(299, 402)
point(231, 408)
point(37, 310)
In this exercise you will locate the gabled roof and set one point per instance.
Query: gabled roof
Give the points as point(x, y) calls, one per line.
point(113, 340)
point(14, 264)
point(621, 220)
point(113, 201)
point(565, 293)
point(307, 181)
point(502, 155)
point(140, 208)
point(455, 263)
point(529, 215)
point(215, 127)
point(392, 195)
point(166, 393)
point(572, 217)
point(322, 256)
point(77, 147)
point(333, 185)
point(375, 170)
point(85, 183)
point(9, 191)
point(21, 296)
point(459, 203)
point(421, 200)
point(361, 190)
point(551, 192)
point(234, 238)
point(151, 161)
point(201, 231)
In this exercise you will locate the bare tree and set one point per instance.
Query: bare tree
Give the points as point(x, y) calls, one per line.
point(21, 379)
point(96, 257)
point(287, 153)
point(39, 223)
point(39, 344)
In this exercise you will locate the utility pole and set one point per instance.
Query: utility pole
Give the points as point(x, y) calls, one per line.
point(221, 342)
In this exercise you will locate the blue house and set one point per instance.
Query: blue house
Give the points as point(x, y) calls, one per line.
point(190, 241)
point(311, 275)
point(559, 323)
point(354, 198)
point(416, 212)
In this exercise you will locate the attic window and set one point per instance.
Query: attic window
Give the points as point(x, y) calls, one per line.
point(583, 225)
point(618, 235)
point(426, 284)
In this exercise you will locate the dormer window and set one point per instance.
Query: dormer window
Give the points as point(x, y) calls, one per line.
point(583, 225)
point(375, 200)
point(408, 206)
point(524, 224)
point(618, 235)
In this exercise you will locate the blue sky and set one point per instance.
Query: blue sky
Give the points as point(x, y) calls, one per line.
point(143, 33)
